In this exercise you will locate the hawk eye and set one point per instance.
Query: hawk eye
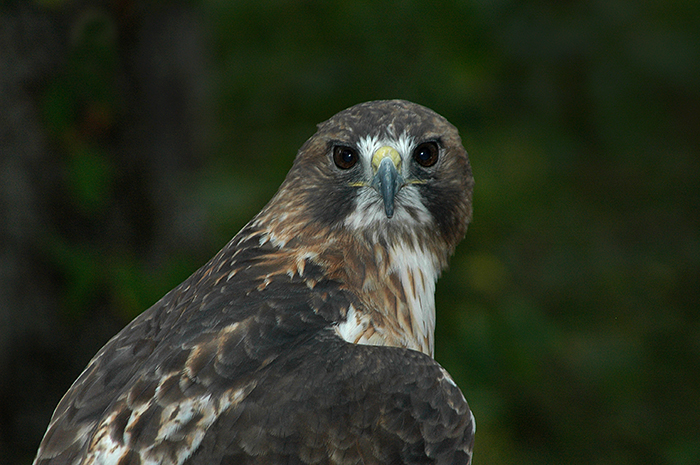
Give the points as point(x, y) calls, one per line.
point(344, 157)
point(426, 154)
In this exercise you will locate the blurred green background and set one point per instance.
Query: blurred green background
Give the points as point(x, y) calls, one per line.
point(137, 137)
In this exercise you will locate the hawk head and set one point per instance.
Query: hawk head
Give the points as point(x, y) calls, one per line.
point(380, 196)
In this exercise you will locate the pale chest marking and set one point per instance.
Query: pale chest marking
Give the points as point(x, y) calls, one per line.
point(409, 322)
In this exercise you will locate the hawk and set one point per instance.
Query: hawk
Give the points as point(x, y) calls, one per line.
point(308, 339)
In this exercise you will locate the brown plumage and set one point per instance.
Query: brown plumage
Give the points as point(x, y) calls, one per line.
point(308, 338)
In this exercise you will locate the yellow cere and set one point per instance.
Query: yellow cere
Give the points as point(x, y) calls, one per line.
point(384, 152)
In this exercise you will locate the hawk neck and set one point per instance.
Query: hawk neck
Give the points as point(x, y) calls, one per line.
point(392, 282)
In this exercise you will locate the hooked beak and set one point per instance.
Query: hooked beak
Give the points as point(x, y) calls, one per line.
point(386, 162)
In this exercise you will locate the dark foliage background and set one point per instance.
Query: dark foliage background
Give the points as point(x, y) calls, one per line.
point(137, 137)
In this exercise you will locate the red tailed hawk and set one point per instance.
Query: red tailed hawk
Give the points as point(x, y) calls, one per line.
point(308, 338)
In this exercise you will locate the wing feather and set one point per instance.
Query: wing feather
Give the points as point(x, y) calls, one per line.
point(218, 379)
point(332, 402)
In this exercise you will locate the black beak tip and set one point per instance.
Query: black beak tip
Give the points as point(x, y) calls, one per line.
point(389, 210)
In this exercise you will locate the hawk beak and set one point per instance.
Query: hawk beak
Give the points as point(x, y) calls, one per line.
point(386, 162)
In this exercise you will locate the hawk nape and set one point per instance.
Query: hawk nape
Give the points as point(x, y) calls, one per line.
point(308, 338)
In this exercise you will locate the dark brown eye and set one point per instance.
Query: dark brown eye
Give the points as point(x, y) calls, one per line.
point(344, 157)
point(426, 154)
